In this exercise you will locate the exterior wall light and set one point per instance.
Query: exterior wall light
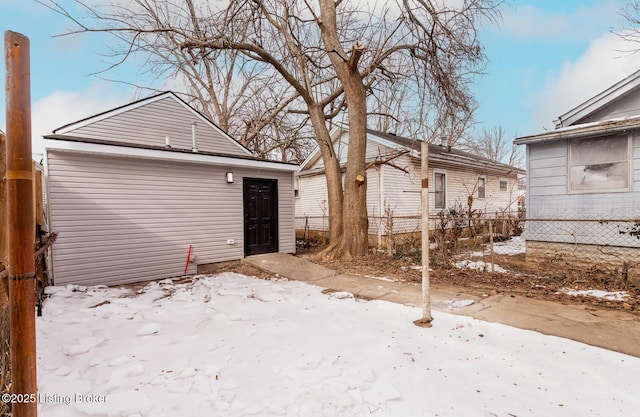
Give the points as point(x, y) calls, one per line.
point(230, 177)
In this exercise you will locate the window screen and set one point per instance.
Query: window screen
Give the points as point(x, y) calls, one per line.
point(599, 164)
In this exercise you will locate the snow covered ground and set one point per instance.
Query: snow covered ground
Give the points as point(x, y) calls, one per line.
point(231, 345)
point(607, 295)
point(481, 266)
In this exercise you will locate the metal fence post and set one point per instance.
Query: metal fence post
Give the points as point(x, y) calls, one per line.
point(426, 302)
point(491, 245)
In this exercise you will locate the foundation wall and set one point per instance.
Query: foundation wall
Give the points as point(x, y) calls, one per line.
point(621, 261)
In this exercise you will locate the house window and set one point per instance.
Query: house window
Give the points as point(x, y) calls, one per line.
point(481, 187)
point(599, 164)
point(504, 184)
point(440, 189)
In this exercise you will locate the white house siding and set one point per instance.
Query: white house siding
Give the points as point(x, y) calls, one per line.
point(400, 192)
point(123, 220)
point(636, 162)
point(312, 203)
point(151, 123)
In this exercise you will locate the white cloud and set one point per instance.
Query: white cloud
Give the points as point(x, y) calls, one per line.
point(601, 66)
point(63, 107)
point(584, 22)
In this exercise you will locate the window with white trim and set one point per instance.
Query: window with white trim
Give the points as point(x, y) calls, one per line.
point(599, 164)
point(482, 187)
point(503, 184)
point(440, 189)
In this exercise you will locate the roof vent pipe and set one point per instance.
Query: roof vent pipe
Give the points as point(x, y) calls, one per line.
point(193, 137)
point(167, 142)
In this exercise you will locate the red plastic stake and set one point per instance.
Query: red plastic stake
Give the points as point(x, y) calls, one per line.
point(186, 265)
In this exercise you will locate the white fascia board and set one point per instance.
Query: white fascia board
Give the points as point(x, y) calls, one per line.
point(101, 149)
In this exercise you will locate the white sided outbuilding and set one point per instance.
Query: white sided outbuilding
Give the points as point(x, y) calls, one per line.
point(153, 190)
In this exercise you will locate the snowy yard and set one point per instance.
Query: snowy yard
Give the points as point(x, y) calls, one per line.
point(231, 345)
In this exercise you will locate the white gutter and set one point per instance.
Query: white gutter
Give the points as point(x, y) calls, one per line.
point(585, 130)
point(101, 149)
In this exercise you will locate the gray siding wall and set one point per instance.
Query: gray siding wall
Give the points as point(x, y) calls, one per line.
point(548, 197)
point(547, 174)
point(123, 220)
point(548, 190)
point(151, 123)
point(626, 106)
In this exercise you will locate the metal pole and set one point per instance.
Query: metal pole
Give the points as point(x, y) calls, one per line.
point(426, 302)
point(20, 221)
point(493, 269)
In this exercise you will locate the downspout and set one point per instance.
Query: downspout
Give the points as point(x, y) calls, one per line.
point(193, 137)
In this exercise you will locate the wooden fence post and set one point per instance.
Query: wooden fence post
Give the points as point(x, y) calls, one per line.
point(5, 353)
point(20, 219)
point(4, 247)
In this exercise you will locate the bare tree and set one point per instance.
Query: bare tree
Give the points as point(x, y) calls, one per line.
point(331, 55)
point(631, 16)
point(494, 145)
point(222, 86)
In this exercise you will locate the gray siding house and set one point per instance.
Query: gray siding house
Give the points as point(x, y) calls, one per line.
point(587, 168)
point(153, 189)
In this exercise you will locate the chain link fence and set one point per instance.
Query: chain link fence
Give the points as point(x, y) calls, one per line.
point(507, 242)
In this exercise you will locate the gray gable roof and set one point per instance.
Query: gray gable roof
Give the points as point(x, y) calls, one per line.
point(442, 153)
point(616, 92)
point(150, 121)
point(437, 153)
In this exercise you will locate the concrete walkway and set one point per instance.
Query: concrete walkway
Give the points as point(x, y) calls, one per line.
point(608, 329)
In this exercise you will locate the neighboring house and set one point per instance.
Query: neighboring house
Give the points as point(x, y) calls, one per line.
point(153, 188)
point(394, 182)
point(588, 168)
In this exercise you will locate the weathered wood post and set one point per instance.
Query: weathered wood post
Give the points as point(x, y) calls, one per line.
point(4, 247)
point(20, 224)
point(5, 354)
point(426, 319)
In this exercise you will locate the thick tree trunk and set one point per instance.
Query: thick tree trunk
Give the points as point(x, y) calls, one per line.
point(354, 239)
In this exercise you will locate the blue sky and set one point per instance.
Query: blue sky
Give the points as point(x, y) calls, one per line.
point(545, 57)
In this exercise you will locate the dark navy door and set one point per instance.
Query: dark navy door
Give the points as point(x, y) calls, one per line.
point(260, 216)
